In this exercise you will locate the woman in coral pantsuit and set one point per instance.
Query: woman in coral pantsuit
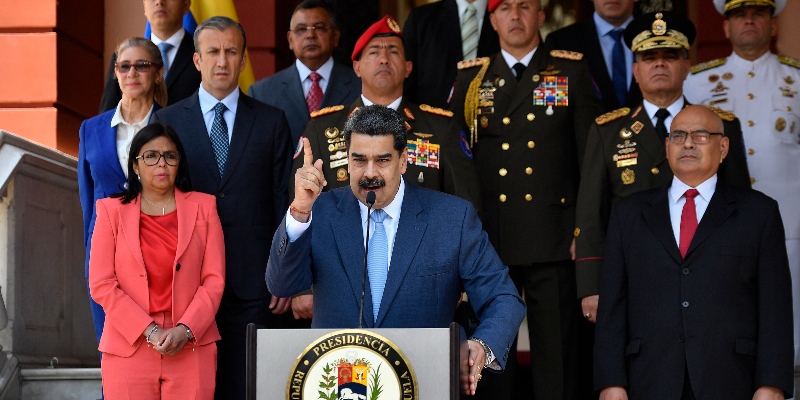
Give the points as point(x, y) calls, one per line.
point(157, 266)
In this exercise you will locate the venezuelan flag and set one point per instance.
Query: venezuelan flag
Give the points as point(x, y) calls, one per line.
point(199, 11)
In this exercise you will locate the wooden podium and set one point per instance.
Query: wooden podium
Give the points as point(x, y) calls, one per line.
point(358, 364)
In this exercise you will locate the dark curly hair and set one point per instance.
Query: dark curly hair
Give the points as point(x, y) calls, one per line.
point(377, 120)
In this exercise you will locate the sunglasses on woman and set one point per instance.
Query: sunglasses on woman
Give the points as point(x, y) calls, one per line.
point(140, 66)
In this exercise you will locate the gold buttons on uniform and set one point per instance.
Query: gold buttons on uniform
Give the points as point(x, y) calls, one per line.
point(577, 232)
point(750, 123)
point(531, 144)
point(506, 120)
point(531, 116)
point(752, 180)
point(655, 171)
point(751, 151)
point(750, 96)
point(505, 146)
point(528, 197)
point(563, 200)
point(788, 108)
point(751, 74)
point(529, 170)
point(502, 198)
point(503, 172)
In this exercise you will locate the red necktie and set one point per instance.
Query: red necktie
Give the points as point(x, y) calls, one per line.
point(688, 221)
point(314, 98)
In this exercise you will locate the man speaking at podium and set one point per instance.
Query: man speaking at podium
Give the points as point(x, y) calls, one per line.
point(425, 247)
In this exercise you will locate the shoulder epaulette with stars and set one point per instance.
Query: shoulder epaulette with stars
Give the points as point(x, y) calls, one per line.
point(724, 115)
point(569, 55)
point(708, 65)
point(326, 111)
point(792, 62)
point(436, 110)
point(612, 115)
point(473, 63)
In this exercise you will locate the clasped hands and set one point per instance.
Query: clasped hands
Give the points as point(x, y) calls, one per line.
point(167, 341)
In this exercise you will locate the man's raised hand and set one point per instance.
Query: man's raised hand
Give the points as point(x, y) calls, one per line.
point(308, 183)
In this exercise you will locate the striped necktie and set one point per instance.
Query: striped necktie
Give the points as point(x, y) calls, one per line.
point(165, 47)
point(469, 33)
point(219, 136)
point(378, 261)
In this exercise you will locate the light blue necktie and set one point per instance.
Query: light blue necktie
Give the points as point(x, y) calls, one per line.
point(378, 261)
point(219, 136)
point(469, 33)
point(164, 47)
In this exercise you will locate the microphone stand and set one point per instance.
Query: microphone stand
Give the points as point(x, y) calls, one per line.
point(370, 202)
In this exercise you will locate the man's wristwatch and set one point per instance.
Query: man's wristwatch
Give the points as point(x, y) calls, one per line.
point(486, 350)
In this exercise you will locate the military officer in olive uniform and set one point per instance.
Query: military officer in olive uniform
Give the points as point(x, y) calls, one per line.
point(436, 159)
point(625, 151)
point(762, 89)
point(526, 113)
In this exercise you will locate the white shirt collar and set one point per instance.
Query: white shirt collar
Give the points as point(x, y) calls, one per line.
point(175, 40)
point(480, 10)
point(747, 64)
point(207, 101)
point(118, 119)
point(604, 27)
point(325, 70)
point(511, 60)
point(392, 209)
point(706, 189)
point(393, 105)
point(673, 109)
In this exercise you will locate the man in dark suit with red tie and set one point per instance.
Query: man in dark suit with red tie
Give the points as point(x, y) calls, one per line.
point(695, 289)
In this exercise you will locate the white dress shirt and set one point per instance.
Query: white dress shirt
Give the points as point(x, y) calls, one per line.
point(295, 229)
point(175, 40)
point(480, 12)
point(511, 60)
point(207, 103)
point(125, 133)
point(677, 200)
point(324, 71)
point(607, 45)
point(393, 105)
point(673, 109)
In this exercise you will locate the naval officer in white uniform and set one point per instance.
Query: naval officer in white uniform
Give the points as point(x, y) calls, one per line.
point(761, 88)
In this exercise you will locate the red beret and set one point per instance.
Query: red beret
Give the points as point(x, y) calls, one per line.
point(493, 4)
point(386, 26)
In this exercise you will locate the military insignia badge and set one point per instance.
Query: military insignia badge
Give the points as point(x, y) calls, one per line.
point(465, 144)
point(337, 146)
point(788, 92)
point(553, 91)
point(628, 176)
point(637, 127)
point(719, 88)
point(408, 127)
point(408, 113)
point(659, 26)
point(352, 364)
point(788, 79)
point(351, 112)
point(713, 78)
point(484, 122)
point(423, 153)
point(332, 132)
point(393, 25)
point(298, 149)
point(727, 76)
point(326, 111)
point(423, 135)
point(341, 174)
point(625, 133)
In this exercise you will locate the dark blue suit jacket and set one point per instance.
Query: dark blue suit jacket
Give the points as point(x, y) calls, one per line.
point(724, 312)
point(285, 91)
point(252, 191)
point(99, 172)
point(439, 250)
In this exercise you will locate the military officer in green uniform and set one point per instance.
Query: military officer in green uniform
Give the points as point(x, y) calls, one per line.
point(436, 159)
point(526, 113)
point(626, 148)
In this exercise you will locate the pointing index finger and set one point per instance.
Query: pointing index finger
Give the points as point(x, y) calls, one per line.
point(308, 156)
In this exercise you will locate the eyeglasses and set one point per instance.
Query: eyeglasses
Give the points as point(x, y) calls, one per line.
point(152, 157)
point(698, 137)
point(302, 30)
point(140, 66)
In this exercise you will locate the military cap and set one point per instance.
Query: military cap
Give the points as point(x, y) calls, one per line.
point(660, 30)
point(493, 4)
point(386, 26)
point(723, 6)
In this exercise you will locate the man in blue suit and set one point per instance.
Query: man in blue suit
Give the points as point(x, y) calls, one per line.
point(426, 248)
point(297, 90)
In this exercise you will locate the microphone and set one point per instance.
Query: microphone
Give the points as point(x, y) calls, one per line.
point(370, 203)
